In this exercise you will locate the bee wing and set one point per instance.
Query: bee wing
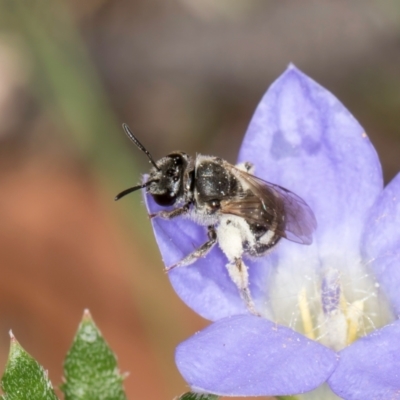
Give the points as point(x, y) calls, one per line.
point(266, 204)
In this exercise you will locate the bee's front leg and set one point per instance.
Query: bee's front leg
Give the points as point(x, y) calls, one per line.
point(171, 214)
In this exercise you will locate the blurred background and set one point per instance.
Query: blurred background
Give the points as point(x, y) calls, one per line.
point(184, 74)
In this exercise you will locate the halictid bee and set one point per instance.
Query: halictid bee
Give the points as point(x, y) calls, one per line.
point(244, 214)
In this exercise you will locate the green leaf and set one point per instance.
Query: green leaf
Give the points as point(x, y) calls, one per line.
point(197, 396)
point(24, 378)
point(90, 368)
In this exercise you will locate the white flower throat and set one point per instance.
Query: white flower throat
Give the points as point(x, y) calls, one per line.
point(332, 306)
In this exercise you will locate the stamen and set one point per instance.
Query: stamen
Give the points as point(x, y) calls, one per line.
point(306, 314)
point(343, 303)
point(353, 314)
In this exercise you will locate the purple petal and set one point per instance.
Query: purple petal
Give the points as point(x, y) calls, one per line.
point(370, 367)
point(302, 138)
point(381, 243)
point(249, 356)
point(316, 149)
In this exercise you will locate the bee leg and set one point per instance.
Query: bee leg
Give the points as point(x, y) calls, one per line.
point(171, 214)
point(232, 232)
point(246, 167)
point(239, 274)
point(202, 251)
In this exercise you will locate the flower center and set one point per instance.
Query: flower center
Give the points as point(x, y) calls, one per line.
point(334, 307)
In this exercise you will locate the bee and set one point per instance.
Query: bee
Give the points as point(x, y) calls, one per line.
point(244, 215)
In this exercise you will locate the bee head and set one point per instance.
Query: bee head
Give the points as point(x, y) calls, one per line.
point(165, 182)
point(167, 179)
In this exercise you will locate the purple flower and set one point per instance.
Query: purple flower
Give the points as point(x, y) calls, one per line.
point(329, 310)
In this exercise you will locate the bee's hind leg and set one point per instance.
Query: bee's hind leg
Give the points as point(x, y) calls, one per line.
point(232, 231)
point(239, 274)
point(202, 251)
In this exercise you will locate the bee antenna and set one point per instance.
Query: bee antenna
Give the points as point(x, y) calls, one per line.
point(139, 145)
point(133, 189)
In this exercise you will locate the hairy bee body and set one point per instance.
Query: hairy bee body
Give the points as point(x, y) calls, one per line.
point(244, 215)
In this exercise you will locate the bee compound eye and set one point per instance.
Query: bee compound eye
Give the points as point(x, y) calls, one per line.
point(165, 199)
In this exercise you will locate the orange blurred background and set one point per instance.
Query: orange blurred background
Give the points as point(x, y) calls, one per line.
point(184, 74)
